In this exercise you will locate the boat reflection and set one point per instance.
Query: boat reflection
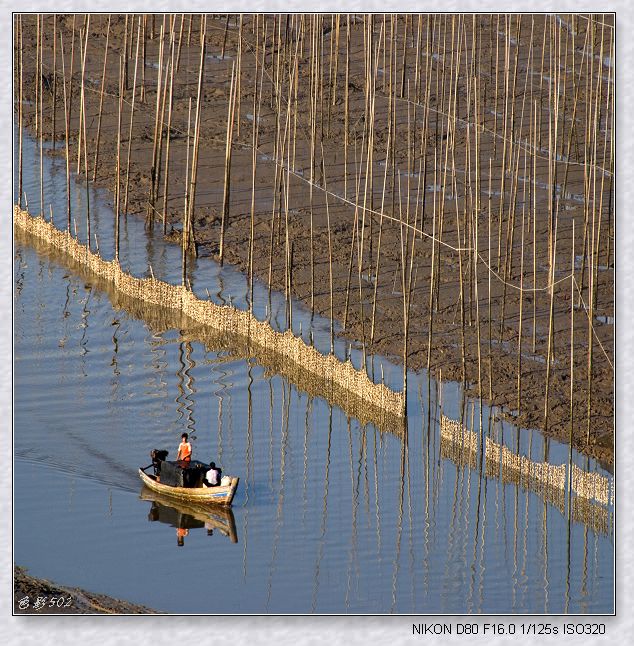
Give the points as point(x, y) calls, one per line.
point(185, 516)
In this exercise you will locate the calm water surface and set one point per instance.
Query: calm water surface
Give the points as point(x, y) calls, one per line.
point(330, 516)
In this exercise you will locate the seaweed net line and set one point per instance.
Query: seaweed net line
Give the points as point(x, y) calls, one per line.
point(586, 484)
point(223, 317)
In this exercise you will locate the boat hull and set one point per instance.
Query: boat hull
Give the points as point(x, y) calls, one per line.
point(213, 495)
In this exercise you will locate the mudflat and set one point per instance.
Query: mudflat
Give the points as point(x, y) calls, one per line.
point(395, 158)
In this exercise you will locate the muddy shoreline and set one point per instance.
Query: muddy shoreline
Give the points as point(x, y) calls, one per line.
point(455, 331)
point(56, 599)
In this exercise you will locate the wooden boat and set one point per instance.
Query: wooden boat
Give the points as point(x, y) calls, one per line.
point(192, 515)
point(215, 495)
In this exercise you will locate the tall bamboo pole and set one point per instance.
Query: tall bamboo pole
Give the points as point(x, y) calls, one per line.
point(345, 114)
point(127, 172)
point(489, 317)
point(41, 123)
point(66, 127)
point(430, 324)
point(254, 157)
point(125, 52)
point(83, 47)
point(70, 78)
point(519, 333)
point(169, 133)
point(572, 343)
point(37, 77)
point(101, 93)
point(164, 92)
point(180, 43)
point(185, 224)
point(53, 133)
point(190, 241)
point(83, 121)
point(549, 359)
point(378, 251)
point(118, 172)
point(20, 108)
point(534, 181)
point(475, 231)
point(142, 95)
point(332, 324)
point(158, 133)
point(228, 151)
point(239, 77)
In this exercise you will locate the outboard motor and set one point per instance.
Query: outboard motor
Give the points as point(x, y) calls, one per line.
point(158, 456)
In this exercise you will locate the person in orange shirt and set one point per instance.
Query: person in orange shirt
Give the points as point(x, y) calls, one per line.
point(184, 449)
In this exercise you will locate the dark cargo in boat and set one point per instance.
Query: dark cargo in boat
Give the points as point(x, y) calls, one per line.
point(158, 457)
point(181, 474)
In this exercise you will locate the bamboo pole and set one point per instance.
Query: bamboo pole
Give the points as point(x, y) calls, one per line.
point(332, 324)
point(534, 181)
point(185, 224)
point(125, 52)
point(190, 240)
point(83, 121)
point(228, 151)
point(313, 137)
point(158, 132)
point(238, 78)
point(66, 127)
point(21, 110)
point(519, 334)
point(288, 244)
point(254, 158)
point(142, 95)
point(572, 342)
point(40, 104)
point(53, 133)
point(38, 75)
point(101, 93)
point(169, 134)
point(70, 80)
point(224, 38)
point(127, 172)
point(495, 102)
point(345, 114)
point(118, 171)
point(378, 251)
point(180, 43)
point(430, 323)
point(604, 164)
point(164, 96)
point(83, 47)
point(476, 216)
point(489, 284)
point(551, 321)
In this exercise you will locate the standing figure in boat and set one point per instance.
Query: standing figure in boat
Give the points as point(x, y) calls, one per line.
point(184, 450)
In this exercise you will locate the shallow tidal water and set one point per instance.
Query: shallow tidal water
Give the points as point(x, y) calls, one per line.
point(330, 516)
